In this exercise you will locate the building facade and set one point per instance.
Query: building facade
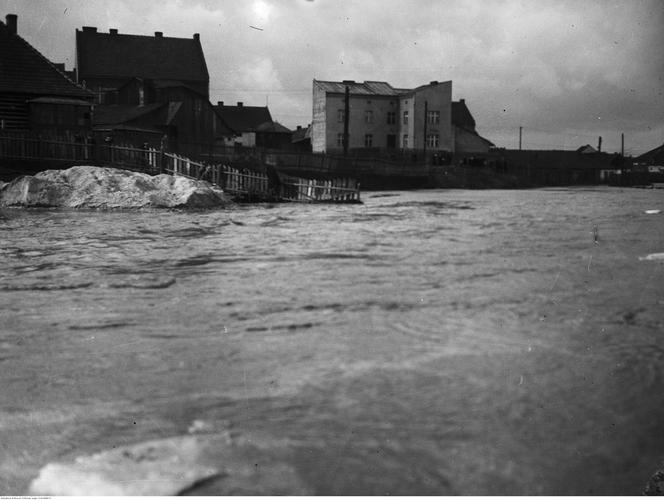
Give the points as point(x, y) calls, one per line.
point(382, 117)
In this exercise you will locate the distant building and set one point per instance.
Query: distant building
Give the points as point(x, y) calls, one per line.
point(381, 116)
point(301, 139)
point(254, 126)
point(35, 94)
point(106, 61)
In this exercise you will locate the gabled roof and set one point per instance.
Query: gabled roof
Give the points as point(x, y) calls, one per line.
point(23, 70)
point(654, 156)
point(273, 127)
point(243, 118)
point(587, 149)
point(365, 88)
point(461, 116)
point(125, 56)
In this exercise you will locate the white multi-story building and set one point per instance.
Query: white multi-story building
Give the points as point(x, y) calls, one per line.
point(381, 116)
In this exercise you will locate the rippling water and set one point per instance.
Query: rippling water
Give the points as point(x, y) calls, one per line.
point(432, 342)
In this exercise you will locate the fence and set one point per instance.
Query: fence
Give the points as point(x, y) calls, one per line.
point(244, 184)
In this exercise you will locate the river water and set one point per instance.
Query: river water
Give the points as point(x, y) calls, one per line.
point(428, 342)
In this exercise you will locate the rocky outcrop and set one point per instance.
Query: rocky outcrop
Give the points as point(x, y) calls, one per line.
point(204, 464)
point(106, 188)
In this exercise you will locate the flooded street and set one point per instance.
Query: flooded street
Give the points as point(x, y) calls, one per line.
point(430, 342)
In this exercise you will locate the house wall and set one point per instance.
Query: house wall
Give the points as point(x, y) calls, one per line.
point(358, 127)
point(319, 120)
point(14, 112)
point(60, 120)
point(435, 97)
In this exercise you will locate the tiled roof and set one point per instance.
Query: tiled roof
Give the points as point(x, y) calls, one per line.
point(23, 70)
point(243, 118)
point(365, 88)
point(126, 56)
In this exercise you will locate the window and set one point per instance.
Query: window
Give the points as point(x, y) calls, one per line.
point(368, 116)
point(391, 117)
point(433, 117)
point(341, 114)
point(340, 140)
point(404, 142)
point(368, 140)
point(405, 117)
point(432, 140)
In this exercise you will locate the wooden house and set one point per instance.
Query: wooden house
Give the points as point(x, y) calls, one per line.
point(35, 95)
point(245, 120)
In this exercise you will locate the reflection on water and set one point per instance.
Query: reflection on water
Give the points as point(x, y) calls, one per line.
point(442, 342)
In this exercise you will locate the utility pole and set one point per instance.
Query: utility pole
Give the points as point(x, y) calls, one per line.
point(520, 134)
point(599, 144)
point(346, 117)
point(622, 144)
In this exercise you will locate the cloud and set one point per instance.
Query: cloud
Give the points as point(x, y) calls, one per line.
point(552, 66)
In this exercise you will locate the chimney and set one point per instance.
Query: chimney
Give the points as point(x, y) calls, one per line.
point(197, 36)
point(113, 31)
point(462, 101)
point(299, 127)
point(599, 144)
point(90, 29)
point(240, 104)
point(220, 103)
point(433, 82)
point(158, 34)
point(12, 22)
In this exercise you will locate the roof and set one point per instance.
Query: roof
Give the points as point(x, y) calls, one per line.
point(654, 156)
point(587, 149)
point(302, 134)
point(61, 100)
point(243, 118)
point(125, 56)
point(365, 88)
point(275, 127)
point(461, 116)
point(24, 70)
point(114, 114)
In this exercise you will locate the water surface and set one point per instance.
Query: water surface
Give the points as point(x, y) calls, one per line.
point(431, 342)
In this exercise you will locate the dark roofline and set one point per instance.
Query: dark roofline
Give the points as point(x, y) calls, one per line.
point(84, 93)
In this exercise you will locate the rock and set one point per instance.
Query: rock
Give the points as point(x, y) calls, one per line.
point(103, 187)
point(218, 464)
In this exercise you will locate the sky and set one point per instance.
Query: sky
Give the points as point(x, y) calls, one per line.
point(566, 71)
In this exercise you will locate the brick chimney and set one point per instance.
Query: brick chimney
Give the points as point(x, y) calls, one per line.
point(113, 31)
point(240, 104)
point(158, 34)
point(90, 29)
point(220, 103)
point(12, 22)
point(197, 36)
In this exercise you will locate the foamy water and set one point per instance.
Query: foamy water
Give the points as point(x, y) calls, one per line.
point(433, 342)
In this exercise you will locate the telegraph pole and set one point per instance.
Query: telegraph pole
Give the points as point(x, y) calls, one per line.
point(622, 144)
point(346, 116)
point(520, 134)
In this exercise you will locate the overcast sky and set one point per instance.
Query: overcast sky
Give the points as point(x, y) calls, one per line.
point(566, 71)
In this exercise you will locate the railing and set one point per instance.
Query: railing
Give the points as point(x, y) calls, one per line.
point(244, 184)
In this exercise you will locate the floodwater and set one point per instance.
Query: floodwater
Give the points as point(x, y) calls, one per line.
point(429, 342)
